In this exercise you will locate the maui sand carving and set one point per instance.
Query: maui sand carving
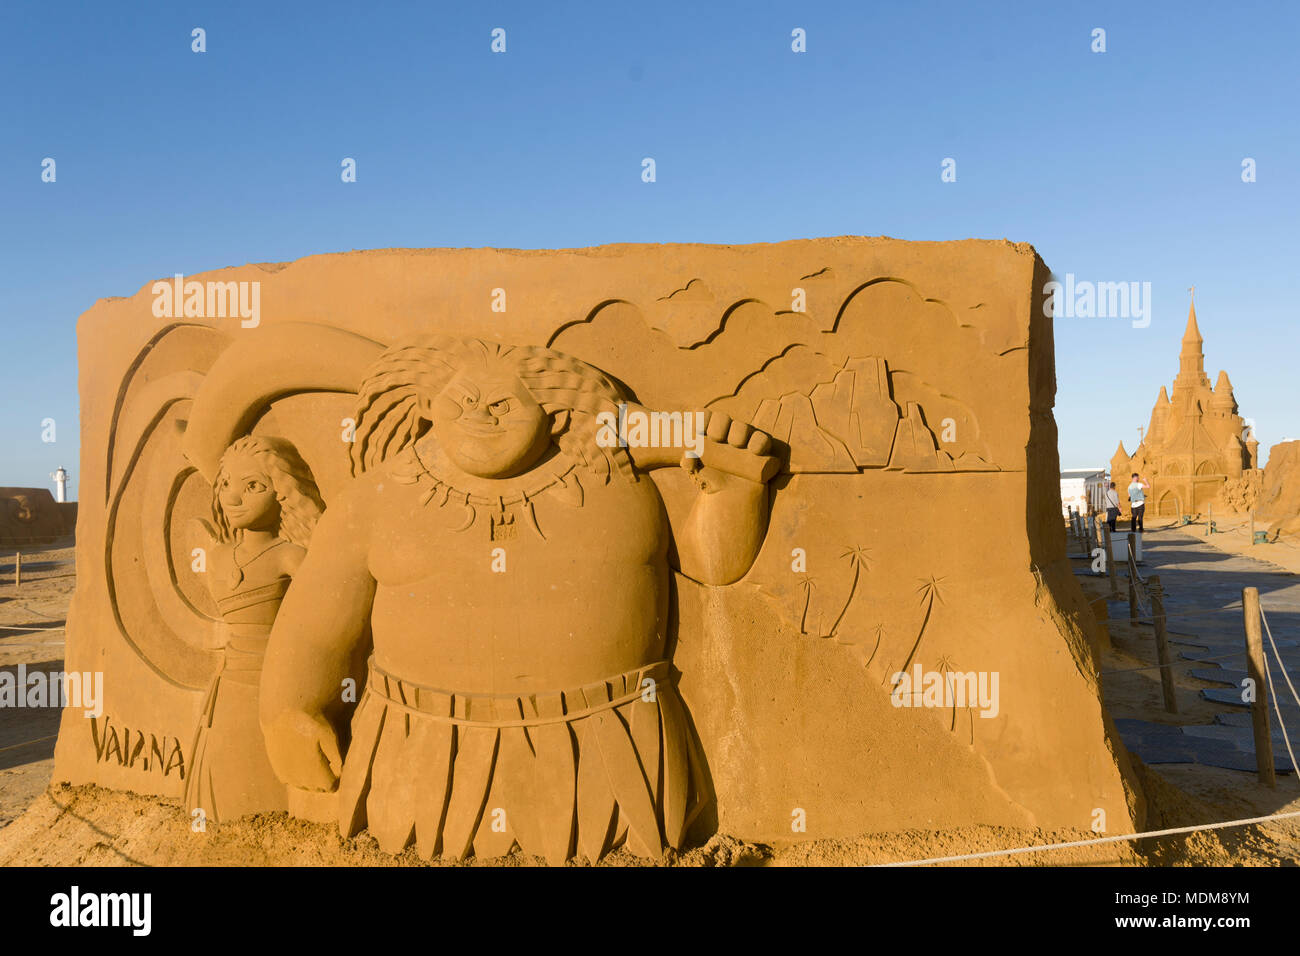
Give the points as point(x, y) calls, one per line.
point(507, 630)
point(517, 694)
point(264, 505)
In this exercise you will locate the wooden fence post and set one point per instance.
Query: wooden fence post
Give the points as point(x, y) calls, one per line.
point(1255, 668)
point(1132, 581)
point(18, 568)
point(1162, 643)
point(1110, 564)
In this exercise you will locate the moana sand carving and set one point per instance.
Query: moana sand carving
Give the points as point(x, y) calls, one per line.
point(265, 505)
point(508, 631)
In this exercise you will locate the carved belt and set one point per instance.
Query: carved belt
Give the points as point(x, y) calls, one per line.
point(527, 710)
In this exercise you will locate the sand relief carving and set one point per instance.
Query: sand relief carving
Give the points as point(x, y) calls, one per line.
point(507, 629)
point(22, 509)
point(514, 572)
point(127, 747)
point(264, 505)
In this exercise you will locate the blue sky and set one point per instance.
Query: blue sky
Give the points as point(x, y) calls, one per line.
point(1116, 166)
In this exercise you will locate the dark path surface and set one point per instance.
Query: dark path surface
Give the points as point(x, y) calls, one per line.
point(1203, 604)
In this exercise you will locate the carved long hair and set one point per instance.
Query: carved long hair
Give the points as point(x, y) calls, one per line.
point(388, 415)
point(295, 488)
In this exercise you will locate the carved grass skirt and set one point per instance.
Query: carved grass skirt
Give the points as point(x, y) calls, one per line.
point(579, 771)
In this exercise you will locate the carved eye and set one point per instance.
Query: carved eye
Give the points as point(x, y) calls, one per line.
point(500, 408)
point(467, 401)
point(256, 487)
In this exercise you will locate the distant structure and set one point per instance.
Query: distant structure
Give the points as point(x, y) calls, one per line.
point(60, 484)
point(1083, 489)
point(1197, 450)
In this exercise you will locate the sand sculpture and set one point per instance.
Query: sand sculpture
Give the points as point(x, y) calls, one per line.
point(1197, 450)
point(265, 506)
point(1279, 501)
point(30, 516)
point(590, 549)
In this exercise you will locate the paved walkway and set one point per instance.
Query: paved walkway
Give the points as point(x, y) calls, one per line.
point(1202, 587)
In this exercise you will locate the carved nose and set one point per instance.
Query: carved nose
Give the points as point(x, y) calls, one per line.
point(477, 415)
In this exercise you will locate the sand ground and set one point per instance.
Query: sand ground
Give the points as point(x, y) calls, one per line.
point(42, 824)
point(1232, 534)
point(32, 617)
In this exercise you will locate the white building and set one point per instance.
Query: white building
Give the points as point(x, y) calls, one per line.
point(1083, 489)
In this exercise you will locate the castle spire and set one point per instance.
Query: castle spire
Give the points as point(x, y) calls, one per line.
point(1193, 333)
point(1191, 360)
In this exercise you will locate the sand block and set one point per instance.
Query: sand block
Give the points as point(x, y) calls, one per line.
point(421, 533)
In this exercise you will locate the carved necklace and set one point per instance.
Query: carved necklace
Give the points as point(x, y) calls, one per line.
point(237, 575)
point(408, 469)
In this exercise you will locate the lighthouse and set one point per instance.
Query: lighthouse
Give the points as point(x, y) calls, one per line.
point(60, 484)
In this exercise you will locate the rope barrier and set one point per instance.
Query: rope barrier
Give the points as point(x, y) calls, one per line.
point(1147, 667)
point(1264, 617)
point(1268, 674)
point(29, 610)
point(1095, 842)
point(1205, 613)
point(27, 742)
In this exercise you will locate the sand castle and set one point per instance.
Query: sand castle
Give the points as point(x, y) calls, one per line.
point(585, 549)
point(1197, 449)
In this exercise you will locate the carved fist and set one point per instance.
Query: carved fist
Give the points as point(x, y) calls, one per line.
point(304, 750)
point(733, 448)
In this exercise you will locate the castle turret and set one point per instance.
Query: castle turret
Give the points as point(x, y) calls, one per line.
point(1157, 429)
point(1119, 466)
point(1233, 456)
point(1224, 401)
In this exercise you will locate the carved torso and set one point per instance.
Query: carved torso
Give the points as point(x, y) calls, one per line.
point(519, 611)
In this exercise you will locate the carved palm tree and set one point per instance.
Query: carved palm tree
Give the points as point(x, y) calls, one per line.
point(929, 591)
point(857, 557)
point(807, 584)
point(945, 666)
point(880, 634)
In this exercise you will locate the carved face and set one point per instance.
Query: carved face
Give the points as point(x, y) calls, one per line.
point(488, 423)
point(246, 494)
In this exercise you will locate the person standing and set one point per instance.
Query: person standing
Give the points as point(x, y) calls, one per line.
point(1137, 498)
point(1112, 507)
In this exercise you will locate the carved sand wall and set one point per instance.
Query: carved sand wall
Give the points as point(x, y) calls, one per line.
point(1279, 502)
point(876, 494)
point(31, 516)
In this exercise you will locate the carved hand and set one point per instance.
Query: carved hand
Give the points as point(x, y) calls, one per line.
point(304, 750)
point(731, 448)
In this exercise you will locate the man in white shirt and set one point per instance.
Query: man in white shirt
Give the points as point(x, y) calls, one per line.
point(1137, 499)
